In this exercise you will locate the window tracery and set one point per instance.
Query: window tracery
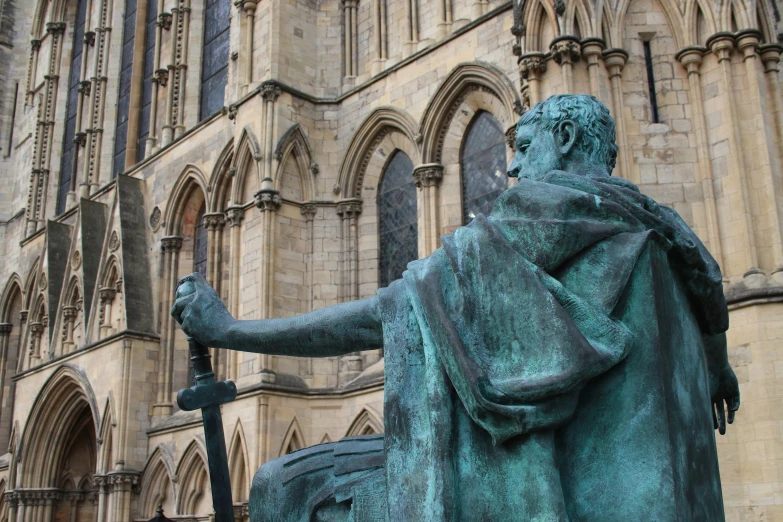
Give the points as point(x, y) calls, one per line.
point(397, 216)
point(483, 164)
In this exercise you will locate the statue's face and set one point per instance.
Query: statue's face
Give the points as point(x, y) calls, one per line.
point(537, 153)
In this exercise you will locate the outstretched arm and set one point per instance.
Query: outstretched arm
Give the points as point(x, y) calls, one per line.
point(335, 330)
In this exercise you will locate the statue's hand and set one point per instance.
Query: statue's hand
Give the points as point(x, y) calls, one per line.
point(724, 389)
point(200, 311)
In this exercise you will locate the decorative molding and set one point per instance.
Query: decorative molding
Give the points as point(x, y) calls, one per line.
point(76, 260)
point(155, 219)
point(270, 92)
point(565, 50)
point(429, 175)
point(214, 221)
point(308, 210)
point(234, 216)
point(171, 243)
point(349, 208)
point(268, 199)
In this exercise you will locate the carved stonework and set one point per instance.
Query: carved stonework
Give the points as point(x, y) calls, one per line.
point(155, 218)
point(270, 92)
point(268, 200)
point(171, 243)
point(214, 221)
point(234, 216)
point(428, 175)
point(349, 209)
point(76, 260)
point(511, 137)
point(114, 241)
point(532, 64)
point(5, 329)
point(314, 169)
point(107, 294)
point(233, 110)
point(161, 76)
point(164, 21)
point(560, 7)
point(89, 38)
point(308, 210)
point(55, 27)
point(566, 50)
point(42, 281)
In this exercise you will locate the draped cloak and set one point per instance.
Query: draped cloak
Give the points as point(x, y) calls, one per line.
point(547, 363)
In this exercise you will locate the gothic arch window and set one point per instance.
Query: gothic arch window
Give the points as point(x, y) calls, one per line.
point(123, 99)
point(483, 164)
point(200, 244)
point(147, 72)
point(397, 218)
point(214, 66)
point(70, 152)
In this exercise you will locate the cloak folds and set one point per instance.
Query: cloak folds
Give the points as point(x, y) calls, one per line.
point(547, 363)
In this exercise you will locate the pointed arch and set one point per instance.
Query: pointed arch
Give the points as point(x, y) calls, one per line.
point(157, 482)
point(578, 15)
point(194, 485)
point(735, 8)
point(293, 439)
point(325, 439)
point(237, 464)
point(371, 132)
point(535, 13)
point(106, 438)
point(765, 21)
point(367, 422)
point(64, 400)
point(246, 162)
point(191, 179)
point(222, 178)
point(673, 18)
point(29, 283)
point(11, 292)
point(693, 10)
point(451, 93)
point(294, 146)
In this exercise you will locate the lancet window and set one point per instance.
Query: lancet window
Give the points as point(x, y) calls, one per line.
point(483, 163)
point(397, 216)
point(123, 101)
point(214, 68)
point(70, 150)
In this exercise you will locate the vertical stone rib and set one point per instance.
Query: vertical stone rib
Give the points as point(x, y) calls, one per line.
point(615, 60)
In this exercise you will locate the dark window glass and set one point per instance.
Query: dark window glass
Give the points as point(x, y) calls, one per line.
point(483, 165)
point(69, 148)
point(214, 66)
point(397, 225)
point(147, 71)
point(200, 244)
point(651, 82)
point(123, 101)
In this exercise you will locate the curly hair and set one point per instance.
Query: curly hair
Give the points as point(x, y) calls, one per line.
point(595, 127)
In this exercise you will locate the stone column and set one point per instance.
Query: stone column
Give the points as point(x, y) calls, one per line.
point(350, 365)
point(69, 317)
point(49, 498)
point(5, 334)
point(167, 135)
point(182, 69)
point(121, 484)
point(411, 28)
point(214, 223)
point(36, 332)
point(691, 59)
point(22, 340)
point(615, 60)
point(531, 67)
point(379, 14)
point(170, 246)
point(748, 43)
point(73, 499)
point(234, 217)
point(565, 51)
point(591, 50)
point(268, 202)
point(12, 500)
point(428, 178)
point(745, 256)
point(351, 36)
point(249, 8)
point(100, 482)
point(445, 18)
point(159, 79)
point(107, 294)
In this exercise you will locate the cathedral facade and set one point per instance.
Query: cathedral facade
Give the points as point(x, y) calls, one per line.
point(298, 153)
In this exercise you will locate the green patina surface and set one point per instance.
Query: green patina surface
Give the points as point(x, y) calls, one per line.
point(561, 359)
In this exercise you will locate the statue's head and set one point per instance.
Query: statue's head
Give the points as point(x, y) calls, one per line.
point(567, 132)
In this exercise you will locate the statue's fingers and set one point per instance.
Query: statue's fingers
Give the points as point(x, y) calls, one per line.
point(714, 417)
point(733, 404)
point(180, 305)
point(721, 417)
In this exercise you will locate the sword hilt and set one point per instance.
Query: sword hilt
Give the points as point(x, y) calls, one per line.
point(206, 392)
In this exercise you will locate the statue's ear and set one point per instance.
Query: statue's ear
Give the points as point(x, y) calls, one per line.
point(565, 134)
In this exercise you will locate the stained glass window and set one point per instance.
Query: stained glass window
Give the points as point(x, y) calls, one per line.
point(397, 218)
point(123, 100)
point(69, 149)
point(214, 67)
point(483, 165)
point(200, 244)
point(147, 71)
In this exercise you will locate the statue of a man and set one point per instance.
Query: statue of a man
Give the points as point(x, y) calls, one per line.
point(561, 359)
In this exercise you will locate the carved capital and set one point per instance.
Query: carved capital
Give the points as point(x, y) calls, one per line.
point(214, 221)
point(234, 216)
point(691, 58)
point(84, 87)
point(5, 329)
point(748, 42)
point(80, 139)
point(23, 315)
point(721, 44)
point(232, 112)
point(164, 21)
point(89, 38)
point(270, 92)
point(55, 27)
point(171, 243)
point(770, 55)
point(532, 65)
point(268, 199)
point(308, 210)
point(107, 294)
point(565, 49)
point(36, 328)
point(615, 60)
point(35, 44)
point(429, 175)
point(248, 6)
point(161, 76)
point(349, 209)
point(70, 312)
point(123, 479)
point(592, 49)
